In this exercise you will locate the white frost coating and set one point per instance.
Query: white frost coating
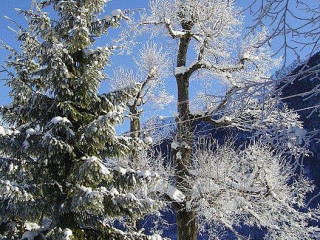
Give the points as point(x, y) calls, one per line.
point(108, 18)
point(144, 174)
point(31, 226)
point(92, 159)
point(150, 201)
point(174, 145)
point(246, 55)
point(116, 13)
point(223, 119)
point(131, 101)
point(175, 194)
point(163, 187)
point(10, 168)
point(178, 155)
point(155, 237)
point(195, 111)
point(2, 131)
point(114, 191)
point(88, 51)
point(89, 193)
point(130, 196)
point(31, 131)
point(174, 33)
point(6, 131)
point(56, 120)
point(15, 132)
point(103, 169)
point(86, 189)
point(67, 234)
point(297, 132)
point(180, 70)
point(148, 140)
point(37, 128)
point(121, 170)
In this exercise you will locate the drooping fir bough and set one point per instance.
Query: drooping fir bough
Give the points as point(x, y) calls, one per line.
point(54, 183)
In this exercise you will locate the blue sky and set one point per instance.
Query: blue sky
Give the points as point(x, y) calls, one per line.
point(7, 9)
point(8, 37)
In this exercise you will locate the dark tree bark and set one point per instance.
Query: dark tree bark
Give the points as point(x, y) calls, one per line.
point(135, 122)
point(135, 130)
point(186, 219)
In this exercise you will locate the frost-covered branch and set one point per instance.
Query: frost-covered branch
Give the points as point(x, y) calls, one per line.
point(251, 186)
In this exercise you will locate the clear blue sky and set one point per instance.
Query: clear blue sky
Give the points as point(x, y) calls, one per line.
point(6, 35)
point(7, 8)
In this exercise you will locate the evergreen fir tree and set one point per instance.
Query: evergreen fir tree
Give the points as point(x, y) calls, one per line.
point(54, 183)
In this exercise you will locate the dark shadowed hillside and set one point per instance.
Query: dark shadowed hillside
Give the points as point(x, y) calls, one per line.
point(309, 113)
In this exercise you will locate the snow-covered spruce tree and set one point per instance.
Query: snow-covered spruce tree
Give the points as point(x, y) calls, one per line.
point(210, 46)
point(54, 183)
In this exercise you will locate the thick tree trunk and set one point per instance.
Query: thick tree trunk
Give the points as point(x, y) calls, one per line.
point(186, 218)
point(135, 131)
point(187, 225)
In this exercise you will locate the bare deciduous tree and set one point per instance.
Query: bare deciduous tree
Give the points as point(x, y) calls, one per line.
point(210, 43)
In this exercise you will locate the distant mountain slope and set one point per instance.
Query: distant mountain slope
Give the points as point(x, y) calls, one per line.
point(293, 94)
